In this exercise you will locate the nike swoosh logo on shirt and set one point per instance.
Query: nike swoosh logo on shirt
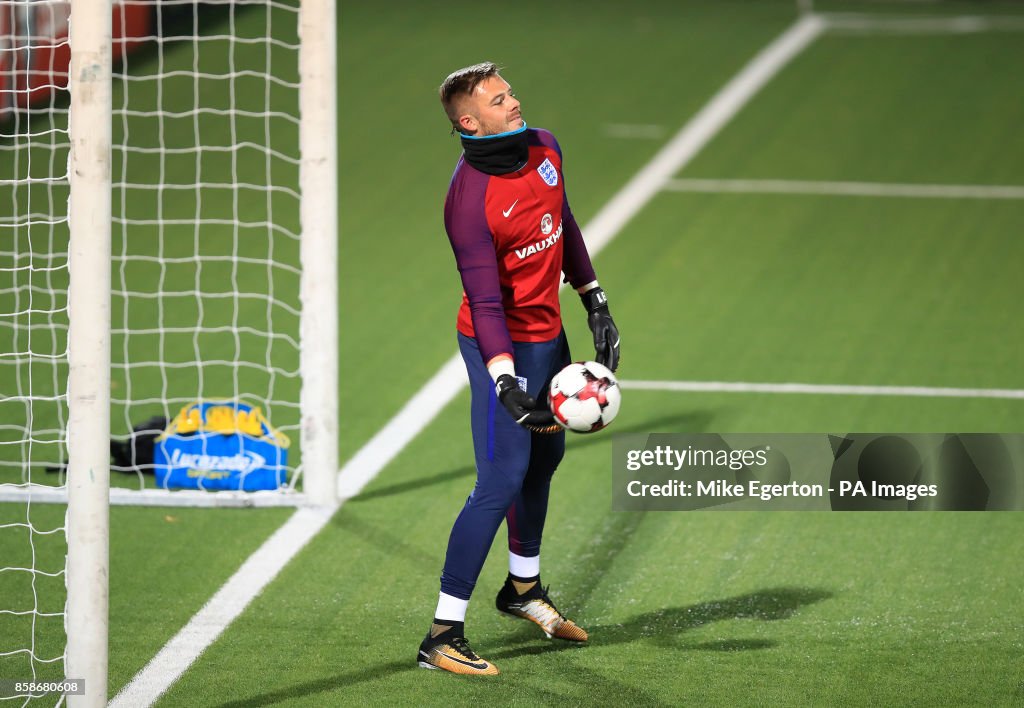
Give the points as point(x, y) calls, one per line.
point(509, 211)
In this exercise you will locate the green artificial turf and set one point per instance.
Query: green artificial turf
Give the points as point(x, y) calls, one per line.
point(713, 607)
point(719, 608)
point(164, 566)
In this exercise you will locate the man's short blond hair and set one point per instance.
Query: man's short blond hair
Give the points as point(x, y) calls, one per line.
point(461, 83)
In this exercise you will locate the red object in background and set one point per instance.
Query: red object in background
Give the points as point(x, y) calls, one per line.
point(35, 52)
point(43, 53)
point(6, 56)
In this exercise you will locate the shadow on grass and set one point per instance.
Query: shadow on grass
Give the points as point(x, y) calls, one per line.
point(688, 422)
point(413, 485)
point(388, 540)
point(323, 685)
point(663, 628)
point(732, 645)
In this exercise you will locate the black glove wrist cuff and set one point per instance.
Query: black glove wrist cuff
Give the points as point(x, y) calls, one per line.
point(504, 384)
point(594, 299)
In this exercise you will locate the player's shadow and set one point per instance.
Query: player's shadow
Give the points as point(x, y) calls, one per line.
point(661, 627)
point(325, 685)
point(690, 421)
point(666, 627)
point(687, 422)
point(413, 485)
point(385, 538)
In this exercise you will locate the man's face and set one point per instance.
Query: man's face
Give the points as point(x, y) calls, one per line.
point(491, 109)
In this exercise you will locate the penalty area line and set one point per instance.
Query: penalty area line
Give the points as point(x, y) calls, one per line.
point(854, 23)
point(820, 389)
point(261, 568)
point(641, 131)
point(847, 189)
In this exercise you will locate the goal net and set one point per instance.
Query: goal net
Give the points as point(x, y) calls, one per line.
point(34, 152)
point(222, 265)
point(205, 291)
point(206, 220)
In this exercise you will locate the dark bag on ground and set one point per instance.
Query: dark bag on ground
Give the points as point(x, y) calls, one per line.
point(133, 454)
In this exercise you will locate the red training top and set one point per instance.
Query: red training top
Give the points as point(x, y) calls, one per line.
point(513, 235)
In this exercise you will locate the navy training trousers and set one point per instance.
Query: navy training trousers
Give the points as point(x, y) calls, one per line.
point(513, 465)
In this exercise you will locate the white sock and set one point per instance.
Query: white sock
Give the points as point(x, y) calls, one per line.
point(522, 566)
point(451, 608)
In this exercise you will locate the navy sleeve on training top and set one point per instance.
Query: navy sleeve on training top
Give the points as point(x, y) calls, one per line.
point(465, 220)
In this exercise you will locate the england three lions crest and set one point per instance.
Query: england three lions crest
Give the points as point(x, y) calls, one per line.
point(548, 173)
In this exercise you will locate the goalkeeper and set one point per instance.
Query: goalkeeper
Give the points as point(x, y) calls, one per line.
point(513, 235)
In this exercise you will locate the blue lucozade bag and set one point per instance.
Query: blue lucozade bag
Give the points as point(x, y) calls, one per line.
point(216, 445)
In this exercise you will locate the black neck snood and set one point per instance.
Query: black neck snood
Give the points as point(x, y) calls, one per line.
point(497, 154)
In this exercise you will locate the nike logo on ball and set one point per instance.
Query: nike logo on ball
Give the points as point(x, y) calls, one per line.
point(509, 211)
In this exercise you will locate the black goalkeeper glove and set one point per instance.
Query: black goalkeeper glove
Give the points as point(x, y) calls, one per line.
point(606, 334)
point(523, 407)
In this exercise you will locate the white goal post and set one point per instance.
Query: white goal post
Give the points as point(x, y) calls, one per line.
point(88, 525)
point(318, 181)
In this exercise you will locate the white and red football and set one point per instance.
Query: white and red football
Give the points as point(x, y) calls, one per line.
point(584, 397)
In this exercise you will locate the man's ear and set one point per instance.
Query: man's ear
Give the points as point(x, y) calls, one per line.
point(468, 124)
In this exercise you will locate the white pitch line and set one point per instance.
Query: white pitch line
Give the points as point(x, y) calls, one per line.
point(178, 654)
point(221, 610)
point(699, 131)
point(414, 416)
point(634, 131)
point(827, 389)
point(956, 24)
point(846, 189)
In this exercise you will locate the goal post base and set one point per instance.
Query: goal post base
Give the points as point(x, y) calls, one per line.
point(43, 494)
